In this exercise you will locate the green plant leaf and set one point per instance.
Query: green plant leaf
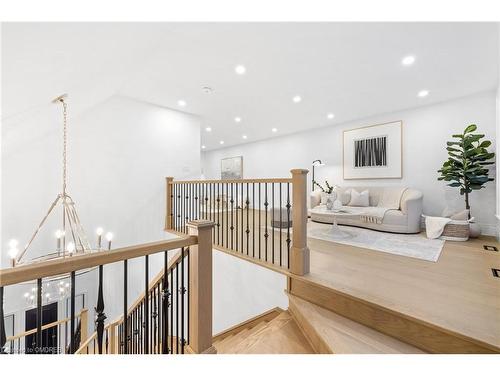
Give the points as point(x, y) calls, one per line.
point(470, 128)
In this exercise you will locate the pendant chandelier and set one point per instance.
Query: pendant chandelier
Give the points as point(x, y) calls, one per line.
point(70, 238)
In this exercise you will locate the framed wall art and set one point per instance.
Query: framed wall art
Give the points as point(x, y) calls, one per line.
point(231, 168)
point(373, 152)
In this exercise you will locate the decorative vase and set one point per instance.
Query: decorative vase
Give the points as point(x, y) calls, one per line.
point(330, 199)
point(475, 230)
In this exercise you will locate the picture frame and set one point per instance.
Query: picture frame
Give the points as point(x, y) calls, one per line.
point(373, 152)
point(232, 168)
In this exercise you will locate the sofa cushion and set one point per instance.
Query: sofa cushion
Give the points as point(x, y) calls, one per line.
point(359, 199)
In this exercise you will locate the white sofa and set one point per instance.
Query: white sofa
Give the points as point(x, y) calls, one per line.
point(404, 220)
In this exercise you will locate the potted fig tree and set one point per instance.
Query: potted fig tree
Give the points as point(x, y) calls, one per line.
point(467, 167)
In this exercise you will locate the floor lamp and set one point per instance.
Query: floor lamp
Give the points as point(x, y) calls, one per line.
point(315, 163)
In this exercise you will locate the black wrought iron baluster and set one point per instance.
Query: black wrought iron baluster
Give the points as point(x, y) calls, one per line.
point(159, 303)
point(260, 217)
point(205, 200)
point(288, 224)
point(177, 308)
point(174, 207)
point(187, 205)
point(154, 323)
point(3, 336)
point(272, 220)
point(146, 304)
point(266, 234)
point(244, 203)
point(182, 292)
point(164, 296)
point(253, 219)
point(218, 214)
point(281, 225)
point(171, 295)
point(101, 317)
point(226, 230)
point(171, 198)
point(247, 206)
point(188, 291)
point(151, 324)
point(236, 219)
point(72, 324)
point(232, 216)
point(141, 328)
point(125, 303)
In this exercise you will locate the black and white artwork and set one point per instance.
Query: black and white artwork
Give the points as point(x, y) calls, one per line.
point(370, 152)
point(373, 152)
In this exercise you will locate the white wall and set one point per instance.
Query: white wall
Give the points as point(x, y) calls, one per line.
point(425, 132)
point(119, 154)
point(243, 290)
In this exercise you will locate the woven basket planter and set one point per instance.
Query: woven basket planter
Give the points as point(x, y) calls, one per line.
point(456, 230)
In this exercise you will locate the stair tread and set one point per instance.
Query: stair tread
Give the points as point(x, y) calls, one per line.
point(280, 336)
point(341, 335)
point(229, 342)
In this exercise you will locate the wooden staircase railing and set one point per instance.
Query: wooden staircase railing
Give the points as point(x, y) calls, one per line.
point(114, 342)
point(196, 273)
point(14, 344)
point(263, 220)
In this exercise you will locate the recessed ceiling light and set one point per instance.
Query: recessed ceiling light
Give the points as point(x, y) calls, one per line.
point(221, 142)
point(423, 93)
point(274, 130)
point(244, 136)
point(203, 147)
point(208, 129)
point(240, 69)
point(237, 119)
point(181, 103)
point(408, 60)
point(330, 116)
point(297, 99)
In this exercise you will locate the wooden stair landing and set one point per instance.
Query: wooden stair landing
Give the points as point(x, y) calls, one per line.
point(331, 333)
point(281, 335)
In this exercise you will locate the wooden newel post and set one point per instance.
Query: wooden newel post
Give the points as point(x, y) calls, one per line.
point(200, 287)
point(299, 254)
point(169, 203)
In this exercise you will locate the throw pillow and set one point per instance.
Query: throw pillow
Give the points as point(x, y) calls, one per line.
point(359, 199)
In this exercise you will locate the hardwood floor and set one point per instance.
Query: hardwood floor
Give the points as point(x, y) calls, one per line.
point(457, 293)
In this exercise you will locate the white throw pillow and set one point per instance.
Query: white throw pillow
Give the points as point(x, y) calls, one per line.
point(359, 199)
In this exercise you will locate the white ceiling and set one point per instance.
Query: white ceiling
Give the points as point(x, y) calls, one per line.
point(350, 69)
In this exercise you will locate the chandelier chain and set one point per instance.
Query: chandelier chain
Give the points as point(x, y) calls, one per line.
point(65, 142)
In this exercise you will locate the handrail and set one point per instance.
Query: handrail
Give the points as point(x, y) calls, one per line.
point(47, 326)
point(77, 262)
point(119, 319)
point(238, 181)
point(93, 337)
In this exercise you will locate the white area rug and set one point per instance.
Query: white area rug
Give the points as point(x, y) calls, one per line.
point(409, 245)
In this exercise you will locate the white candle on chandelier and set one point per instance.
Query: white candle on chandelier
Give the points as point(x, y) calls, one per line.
point(13, 251)
point(70, 248)
point(99, 231)
point(59, 234)
point(109, 238)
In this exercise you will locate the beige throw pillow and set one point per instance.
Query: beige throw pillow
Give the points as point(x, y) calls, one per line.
point(359, 199)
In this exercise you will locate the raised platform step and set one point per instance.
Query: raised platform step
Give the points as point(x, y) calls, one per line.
point(331, 333)
point(420, 334)
point(281, 335)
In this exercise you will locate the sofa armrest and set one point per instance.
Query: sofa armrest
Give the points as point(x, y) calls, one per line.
point(315, 198)
point(411, 205)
